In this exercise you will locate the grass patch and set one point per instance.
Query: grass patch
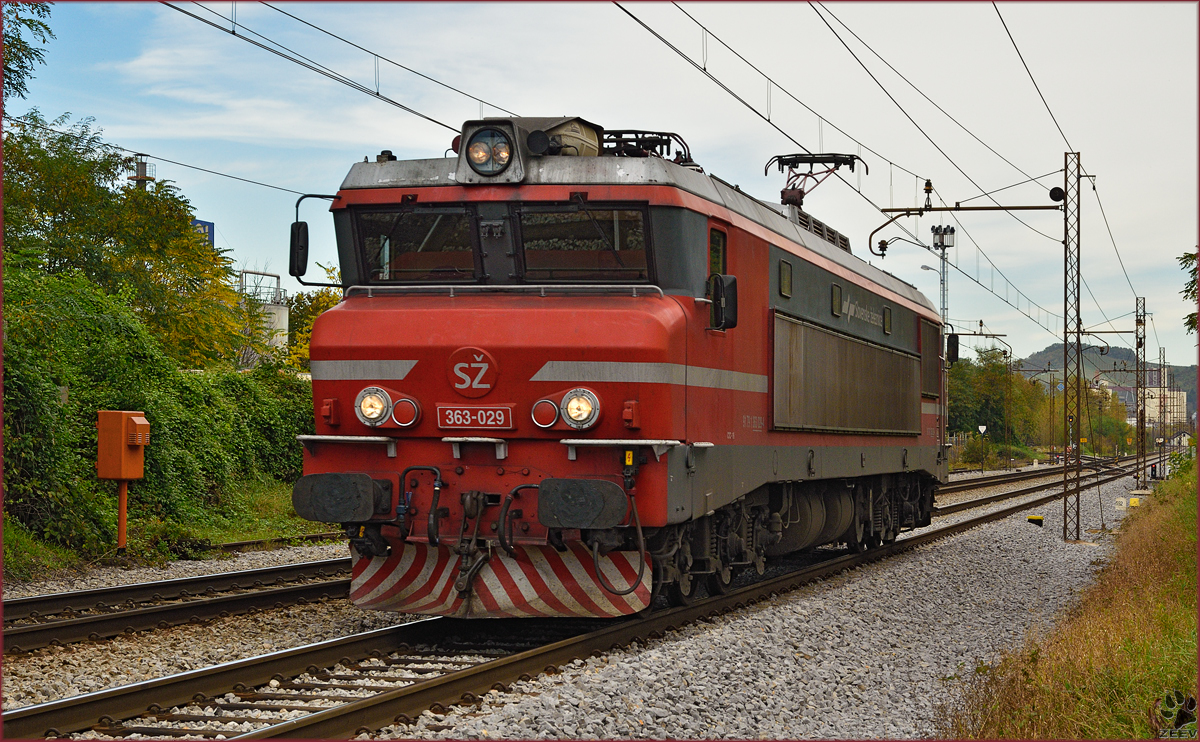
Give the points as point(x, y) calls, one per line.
point(1109, 663)
point(257, 508)
point(251, 509)
point(25, 557)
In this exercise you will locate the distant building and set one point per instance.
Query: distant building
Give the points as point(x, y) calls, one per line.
point(1176, 403)
point(265, 288)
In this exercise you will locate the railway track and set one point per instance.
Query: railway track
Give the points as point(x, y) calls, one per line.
point(1021, 476)
point(363, 682)
point(1088, 480)
point(62, 618)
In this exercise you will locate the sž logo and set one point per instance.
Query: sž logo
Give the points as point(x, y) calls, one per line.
point(472, 371)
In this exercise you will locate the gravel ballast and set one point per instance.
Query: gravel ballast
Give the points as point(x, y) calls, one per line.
point(58, 672)
point(866, 654)
point(97, 577)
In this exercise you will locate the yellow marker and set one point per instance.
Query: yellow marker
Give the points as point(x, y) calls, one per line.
point(1135, 502)
point(1036, 520)
point(629, 458)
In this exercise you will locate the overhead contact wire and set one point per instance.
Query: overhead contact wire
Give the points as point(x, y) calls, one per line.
point(1054, 118)
point(704, 70)
point(915, 124)
point(389, 61)
point(319, 69)
point(1031, 78)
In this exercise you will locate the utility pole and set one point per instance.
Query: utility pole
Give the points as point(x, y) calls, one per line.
point(1072, 351)
point(1140, 376)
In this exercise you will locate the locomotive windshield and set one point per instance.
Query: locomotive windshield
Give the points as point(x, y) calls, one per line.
point(428, 245)
point(545, 243)
point(566, 244)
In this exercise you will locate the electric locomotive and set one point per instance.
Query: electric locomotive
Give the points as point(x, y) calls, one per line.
point(571, 370)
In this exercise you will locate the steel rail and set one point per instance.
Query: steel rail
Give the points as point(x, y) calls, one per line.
point(182, 587)
point(104, 625)
point(989, 499)
point(964, 485)
point(77, 713)
point(403, 704)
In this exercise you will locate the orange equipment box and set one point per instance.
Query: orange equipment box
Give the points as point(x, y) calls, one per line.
point(122, 438)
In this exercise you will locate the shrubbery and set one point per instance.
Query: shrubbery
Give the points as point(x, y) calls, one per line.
point(66, 339)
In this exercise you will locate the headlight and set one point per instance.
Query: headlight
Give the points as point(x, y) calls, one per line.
point(489, 151)
point(580, 408)
point(372, 406)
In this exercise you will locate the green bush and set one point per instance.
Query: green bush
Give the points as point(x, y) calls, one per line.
point(977, 450)
point(67, 339)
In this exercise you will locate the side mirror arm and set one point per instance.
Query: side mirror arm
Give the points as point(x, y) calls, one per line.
point(298, 249)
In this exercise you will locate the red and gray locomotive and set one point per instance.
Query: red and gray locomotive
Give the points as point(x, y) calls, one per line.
point(571, 370)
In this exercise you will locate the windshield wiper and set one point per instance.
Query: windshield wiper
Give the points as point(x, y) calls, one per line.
point(583, 207)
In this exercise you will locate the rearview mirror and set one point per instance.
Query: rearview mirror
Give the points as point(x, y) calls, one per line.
point(722, 290)
point(298, 251)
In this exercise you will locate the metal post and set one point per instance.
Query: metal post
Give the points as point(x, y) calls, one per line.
point(1007, 422)
point(1051, 418)
point(122, 506)
point(1162, 407)
point(945, 290)
point(1140, 377)
point(1072, 347)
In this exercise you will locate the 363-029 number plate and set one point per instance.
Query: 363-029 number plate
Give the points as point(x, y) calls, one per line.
point(469, 416)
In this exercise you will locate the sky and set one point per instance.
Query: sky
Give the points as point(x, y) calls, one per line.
point(1119, 80)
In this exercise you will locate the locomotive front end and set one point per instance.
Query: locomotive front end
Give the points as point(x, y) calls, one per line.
point(494, 407)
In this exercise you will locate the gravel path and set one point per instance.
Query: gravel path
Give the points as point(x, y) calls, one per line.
point(864, 655)
point(58, 672)
point(96, 577)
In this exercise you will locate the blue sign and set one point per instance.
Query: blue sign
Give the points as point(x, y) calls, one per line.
point(1060, 387)
point(208, 229)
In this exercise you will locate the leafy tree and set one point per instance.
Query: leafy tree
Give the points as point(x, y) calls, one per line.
point(986, 391)
point(21, 19)
point(1187, 261)
point(69, 208)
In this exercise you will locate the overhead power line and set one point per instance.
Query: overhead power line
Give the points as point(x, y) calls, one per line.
point(703, 70)
point(27, 122)
point(918, 126)
point(389, 61)
point(968, 131)
point(1068, 143)
point(1031, 79)
point(927, 98)
point(296, 58)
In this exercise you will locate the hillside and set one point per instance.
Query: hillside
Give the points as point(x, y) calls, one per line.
point(1119, 359)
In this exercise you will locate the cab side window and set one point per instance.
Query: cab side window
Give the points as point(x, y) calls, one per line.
point(716, 252)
